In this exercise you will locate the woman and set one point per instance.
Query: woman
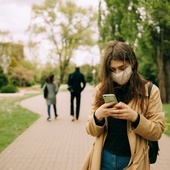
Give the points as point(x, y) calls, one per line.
point(52, 90)
point(122, 129)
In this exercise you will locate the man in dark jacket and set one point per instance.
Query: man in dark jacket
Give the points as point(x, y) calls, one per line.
point(76, 84)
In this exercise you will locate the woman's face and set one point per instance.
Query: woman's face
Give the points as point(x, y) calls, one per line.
point(121, 71)
point(117, 66)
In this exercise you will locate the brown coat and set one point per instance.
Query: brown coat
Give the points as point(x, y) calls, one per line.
point(151, 127)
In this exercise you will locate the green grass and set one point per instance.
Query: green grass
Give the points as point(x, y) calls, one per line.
point(13, 119)
point(166, 108)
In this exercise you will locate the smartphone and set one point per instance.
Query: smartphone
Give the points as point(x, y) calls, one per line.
point(110, 98)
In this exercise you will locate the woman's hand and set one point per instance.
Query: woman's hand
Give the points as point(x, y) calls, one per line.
point(123, 111)
point(104, 110)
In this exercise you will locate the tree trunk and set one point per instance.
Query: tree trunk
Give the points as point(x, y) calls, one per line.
point(167, 79)
point(161, 75)
point(61, 77)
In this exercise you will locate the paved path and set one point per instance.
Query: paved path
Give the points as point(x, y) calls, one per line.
point(60, 144)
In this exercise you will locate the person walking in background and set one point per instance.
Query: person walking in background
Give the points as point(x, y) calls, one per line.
point(122, 128)
point(76, 84)
point(51, 91)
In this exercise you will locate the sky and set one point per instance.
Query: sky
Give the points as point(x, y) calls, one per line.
point(15, 18)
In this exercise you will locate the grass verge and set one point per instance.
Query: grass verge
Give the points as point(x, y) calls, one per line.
point(166, 108)
point(14, 119)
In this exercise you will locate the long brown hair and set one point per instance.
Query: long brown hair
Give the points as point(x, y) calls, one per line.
point(133, 89)
point(50, 78)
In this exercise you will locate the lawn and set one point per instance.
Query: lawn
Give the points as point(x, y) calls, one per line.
point(13, 119)
point(166, 108)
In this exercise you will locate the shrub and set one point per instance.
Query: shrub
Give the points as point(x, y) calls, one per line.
point(3, 80)
point(9, 89)
point(89, 78)
point(42, 80)
point(22, 77)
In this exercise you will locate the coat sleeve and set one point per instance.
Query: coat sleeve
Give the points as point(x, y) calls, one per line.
point(69, 80)
point(152, 125)
point(56, 87)
point(43, 87)
point(83, 81)
point(91, 127)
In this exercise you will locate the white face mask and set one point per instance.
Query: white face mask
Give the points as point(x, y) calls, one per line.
point(122, 77)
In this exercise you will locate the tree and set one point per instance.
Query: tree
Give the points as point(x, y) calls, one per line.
point(118, 21)
point(145, 25)
point(64, 26)
point(156, 39)
point(10, 51)
point(5, 36)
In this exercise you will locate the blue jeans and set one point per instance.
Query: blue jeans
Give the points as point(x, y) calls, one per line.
point(49, 108)
point(113, 162)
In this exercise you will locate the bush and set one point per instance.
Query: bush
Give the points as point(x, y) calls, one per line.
point(22, 77)
point(3, 80)
point(9, 89)
point(42, 80)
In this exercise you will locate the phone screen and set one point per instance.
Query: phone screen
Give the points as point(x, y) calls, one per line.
point(110, 98)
